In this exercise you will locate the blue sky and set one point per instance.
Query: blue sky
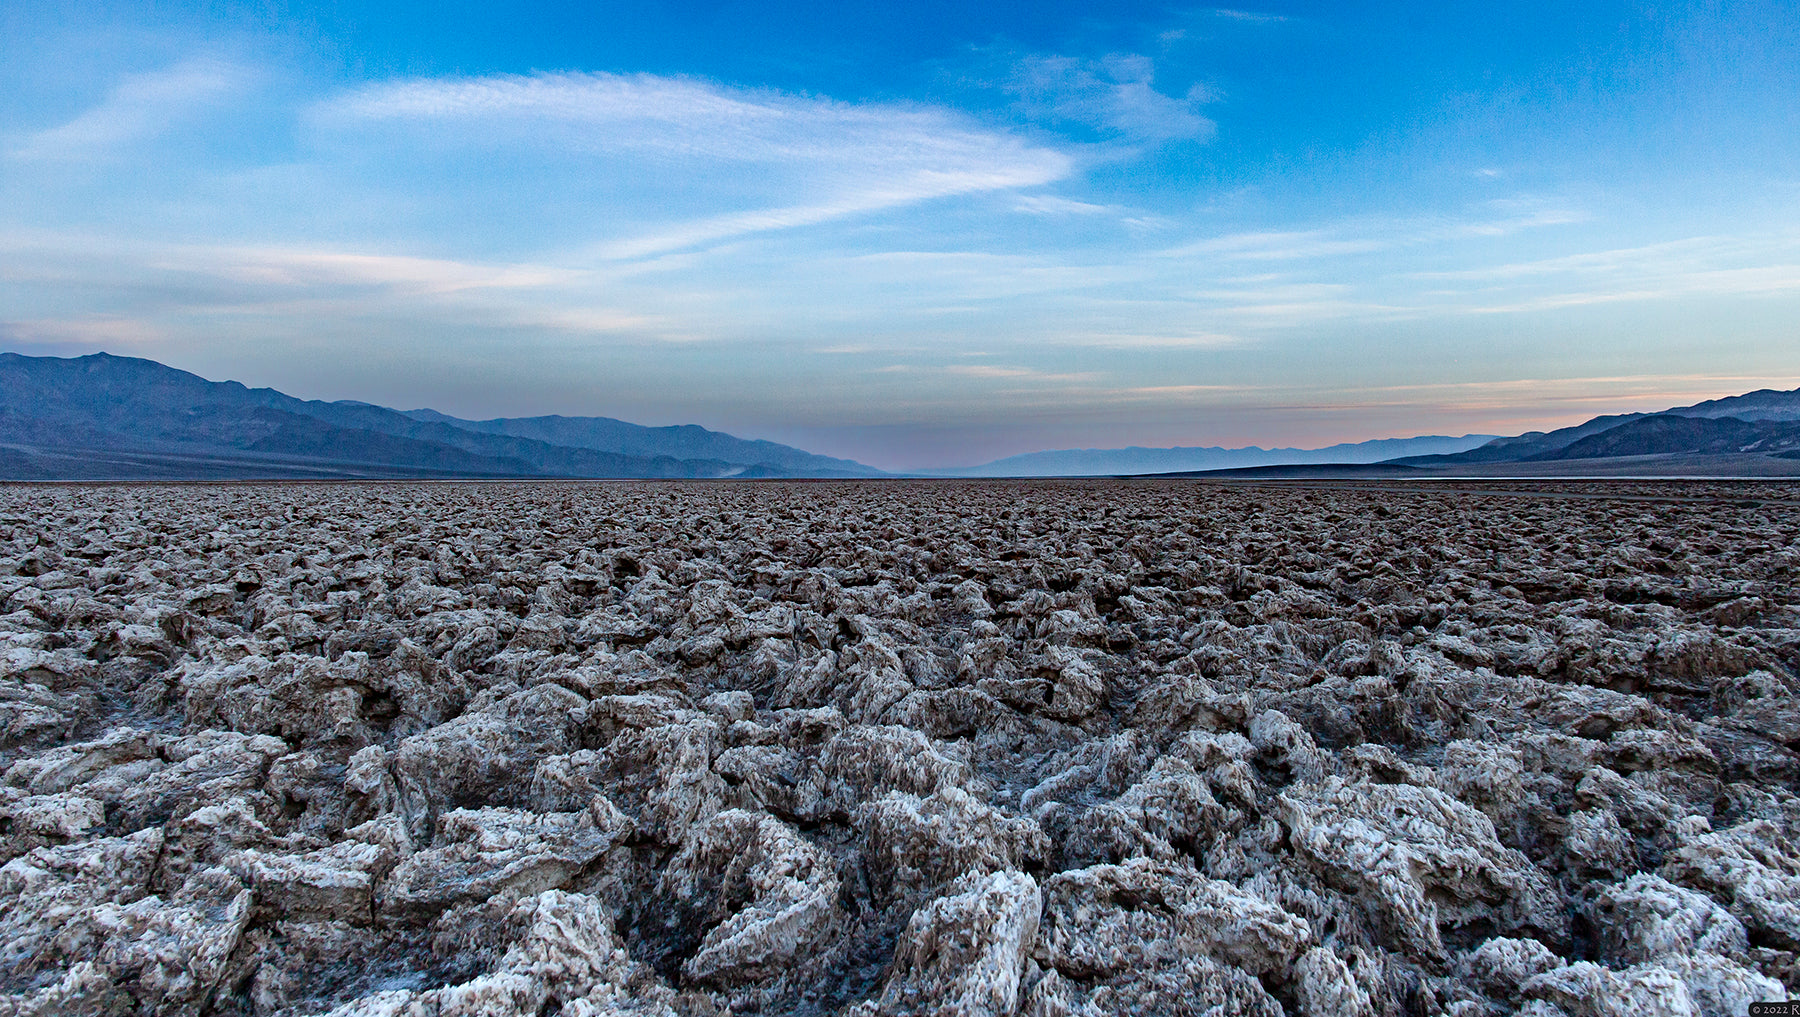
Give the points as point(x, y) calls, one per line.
point(921, 234)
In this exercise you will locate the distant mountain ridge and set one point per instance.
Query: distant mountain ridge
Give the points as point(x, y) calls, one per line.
point(1756, 434)
point(1761, 423)
point(1762, 404)
point(1679, 434)
point(107, 417)
point(680, 441)
point(1136, 460)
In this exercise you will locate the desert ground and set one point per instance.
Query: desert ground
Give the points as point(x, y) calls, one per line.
point(971, 748)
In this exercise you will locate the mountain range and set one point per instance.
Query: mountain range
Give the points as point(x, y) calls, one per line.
point(1097, 462)
point(1757, 433)
point(102, 417)
point(682, 441)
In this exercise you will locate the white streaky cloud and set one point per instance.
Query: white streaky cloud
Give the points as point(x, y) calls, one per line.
point(1693, 267)
point(1579, 397)
point(1277, 315)
point(1157, 391)
point(1252, 16)
point(827, 159)
point(94, 329)
point(899, 189)
point(36, 255)
point(397, 273)
point(975, 277)
point(495, 313)
point(1115, 95)
point(269, 283)
point(1674, 255)
point(1596, 388)
point(1142, 224)
point(1279, 246)
point(1527, 403)
point(1262, 303)
point(141, 106)
point(1277, 291)
point(990, 371)
point(1761, 280)
point(686, 116)
point(1050, 204)
point(1506, 405)
point(1370, 235)
point(1510, 222)
point(1166, 398)
point(1172, 340)
point(272, 267)
point(593, 321)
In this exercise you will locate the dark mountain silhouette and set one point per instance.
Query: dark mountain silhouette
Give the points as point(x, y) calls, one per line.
point(107, 417)
point(1762, 404)
point(1750, 424)
point(1521, 447)
point(1669, 434)
point(682, 441)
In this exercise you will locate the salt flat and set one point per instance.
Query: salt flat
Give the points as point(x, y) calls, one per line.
point(1074, 747)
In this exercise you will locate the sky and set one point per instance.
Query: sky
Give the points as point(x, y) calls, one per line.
point(919, 234)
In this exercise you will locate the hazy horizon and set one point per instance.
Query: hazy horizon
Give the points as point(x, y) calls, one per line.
point(919, 236)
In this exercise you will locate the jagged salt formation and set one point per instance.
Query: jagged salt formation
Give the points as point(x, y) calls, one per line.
point(882, 749)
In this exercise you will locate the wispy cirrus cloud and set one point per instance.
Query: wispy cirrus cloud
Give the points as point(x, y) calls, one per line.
point(52, 257)
point(1050, 204)
point(1370, 235)
point(1674, 256)
point(83, 330)
point(167, 288)
point(140, 106)
point(1257, 17)
point(1115, 95)
point(1002, 380)
point(1281, 245)
point(1706, 266)
point(813, 160)
point(1168, 339)
point(1758, 280)
point(302, 268)
point(1576, 393)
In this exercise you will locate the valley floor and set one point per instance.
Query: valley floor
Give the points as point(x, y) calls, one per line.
point(950, 747)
